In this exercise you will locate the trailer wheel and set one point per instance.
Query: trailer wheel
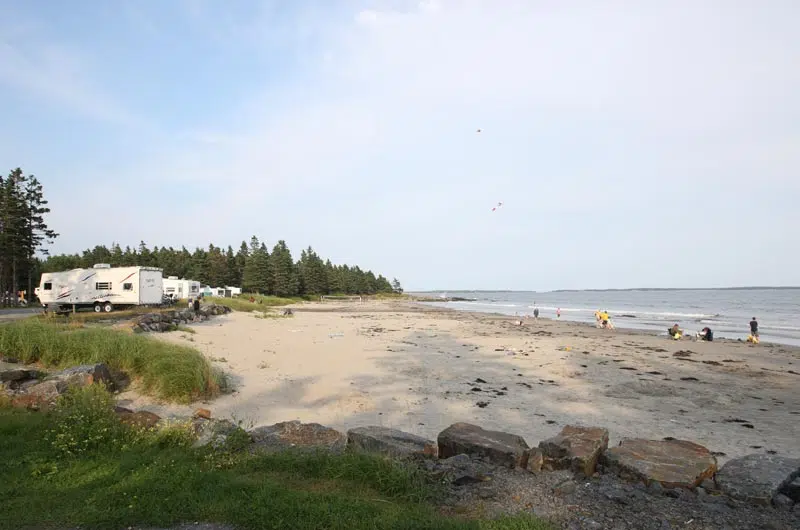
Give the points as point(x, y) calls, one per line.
point(97, 308)
point(108, 307)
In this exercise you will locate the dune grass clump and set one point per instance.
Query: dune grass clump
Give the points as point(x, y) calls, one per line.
point(166, 371)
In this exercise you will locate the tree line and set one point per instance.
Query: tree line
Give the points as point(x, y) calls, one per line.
point(253, 267)
point(23, 233)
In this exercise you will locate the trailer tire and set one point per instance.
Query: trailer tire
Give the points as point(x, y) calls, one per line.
point(108, 307)
point(98, 308)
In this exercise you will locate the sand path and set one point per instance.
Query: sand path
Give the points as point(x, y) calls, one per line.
point(418, 372)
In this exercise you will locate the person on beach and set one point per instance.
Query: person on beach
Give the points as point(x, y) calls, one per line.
point(675, 332)
point(558, 313)
point(754, 327)
point(753, 337)
point(706, 334)
point(536, 312)
point(605, 320)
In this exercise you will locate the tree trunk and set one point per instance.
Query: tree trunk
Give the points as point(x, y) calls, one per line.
point(14, 297)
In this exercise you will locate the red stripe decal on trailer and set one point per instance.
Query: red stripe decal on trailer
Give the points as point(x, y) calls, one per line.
point(64, 295)
point(128, 276)
point(92, 274)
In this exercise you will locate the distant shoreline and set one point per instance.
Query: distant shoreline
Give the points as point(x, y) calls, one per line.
point(631, 289)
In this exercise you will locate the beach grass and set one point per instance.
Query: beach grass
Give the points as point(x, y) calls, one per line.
point(150, 479)
point(243, 303)
point(166, 371)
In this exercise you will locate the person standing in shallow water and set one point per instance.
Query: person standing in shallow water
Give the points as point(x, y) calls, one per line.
point(754, 327)
point(536, 312)
point(558, 313)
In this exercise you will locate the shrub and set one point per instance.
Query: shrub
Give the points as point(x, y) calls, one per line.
point(84, 421)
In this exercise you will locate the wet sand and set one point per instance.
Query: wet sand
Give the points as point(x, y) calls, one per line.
point(420, 370)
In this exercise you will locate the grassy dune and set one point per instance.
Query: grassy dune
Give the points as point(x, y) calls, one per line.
point(166, 371)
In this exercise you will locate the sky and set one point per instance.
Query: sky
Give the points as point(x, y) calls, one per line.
point(633, 144)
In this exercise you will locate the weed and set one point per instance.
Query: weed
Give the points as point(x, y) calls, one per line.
point(84, 421)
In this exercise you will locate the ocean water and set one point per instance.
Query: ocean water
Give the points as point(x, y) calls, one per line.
point(726, 311)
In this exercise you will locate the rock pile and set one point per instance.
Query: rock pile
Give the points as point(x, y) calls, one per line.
point(170, 320)
point(36, 390)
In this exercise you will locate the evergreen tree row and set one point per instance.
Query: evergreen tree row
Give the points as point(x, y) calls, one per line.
point(23, 233)
point(252, 267)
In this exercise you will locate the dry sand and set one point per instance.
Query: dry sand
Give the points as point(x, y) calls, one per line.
point(414, 369)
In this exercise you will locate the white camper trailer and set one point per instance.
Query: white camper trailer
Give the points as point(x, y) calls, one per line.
point(180, 289)
point(101, 287)
point(222, 292)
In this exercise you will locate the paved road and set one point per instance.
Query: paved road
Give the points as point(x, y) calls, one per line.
point(17, 313)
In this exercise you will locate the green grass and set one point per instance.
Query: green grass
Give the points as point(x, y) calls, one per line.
point(167, 371)
point(157, 480)
point(242, 303)
point(91, 316)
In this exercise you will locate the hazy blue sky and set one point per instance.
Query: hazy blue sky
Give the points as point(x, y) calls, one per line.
point(633, 143)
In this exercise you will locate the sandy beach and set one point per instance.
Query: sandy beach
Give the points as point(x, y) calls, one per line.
point(420, 370)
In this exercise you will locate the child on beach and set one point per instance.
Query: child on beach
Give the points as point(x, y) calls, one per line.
point(558, 313)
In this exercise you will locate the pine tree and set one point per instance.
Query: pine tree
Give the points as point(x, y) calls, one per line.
point(396, 286)
point(284, 273)
point(256, 270)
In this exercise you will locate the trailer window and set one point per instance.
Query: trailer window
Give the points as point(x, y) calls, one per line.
point(102, 286)
point(127, 287)
point(48, 286)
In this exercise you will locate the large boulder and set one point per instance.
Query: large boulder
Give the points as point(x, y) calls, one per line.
point(670, 463)
point(575, 448)
point(84, 375)
point(757, 478)
point(500, 448)
point(390, 442)
point(41, 395)
point(296, 435)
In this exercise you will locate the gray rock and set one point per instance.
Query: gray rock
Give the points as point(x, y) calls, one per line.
point(535, 461)
point(84, 375)
point(391, 442)
point(17, 375)
point(296, 435)
point(212, 432)
point(783, 502)
point(709, 485)
point(792, 490)
point(459, 470)
point(575, 448)
point(565, 487)
point(500, 448)
point(757, 478)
